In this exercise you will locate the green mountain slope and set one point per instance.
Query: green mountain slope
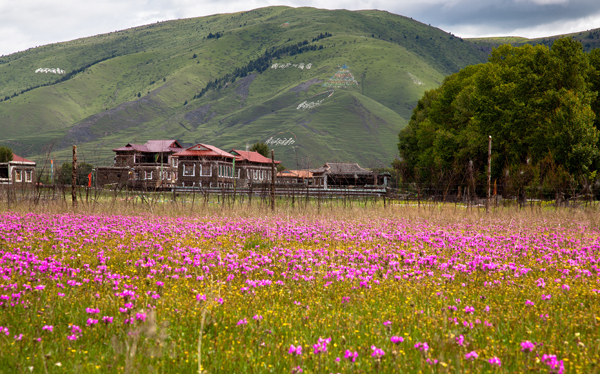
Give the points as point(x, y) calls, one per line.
point(147, 83)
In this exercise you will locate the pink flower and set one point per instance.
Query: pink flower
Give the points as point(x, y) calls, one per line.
point(91, 321)
point(460, 340)
point(351, 355)
point(527, 346)
point(257, 317)
point(377, 352)
point(529, 303)
point(321, 345)
point(469, 309)
point(48, 328)
point(555, 365)
point(242, 322)
point(396, 339)
point(471, 355)
point(72, 337)
point(495, 361)
point(424, 347)
point(140, 316)
point(387, 323)
point(107, 319)
point(297, 350)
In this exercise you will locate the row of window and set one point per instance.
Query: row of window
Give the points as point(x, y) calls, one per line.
point(19, 175)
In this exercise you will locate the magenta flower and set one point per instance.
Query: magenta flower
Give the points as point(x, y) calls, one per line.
point(471, 356)
point(351, 355)
point(91, 322)
point(321, 346)
point(377, 352)
point(396, 339)
point(242, 322)
point(297, 350)
point(258, 317)
point(140, 316)
point(469, 309)
point(92, 310)
point(546, 297)
point(18, 337)
point(460, 340)
point(431, 362)
point(527, 346)
point(555, 365)
point(387, 323)
point(529, 303)
point(495, 361)
point(72, 337)
point(424, 347)
point(107, 319)
point(565, 287)
point(48, 328)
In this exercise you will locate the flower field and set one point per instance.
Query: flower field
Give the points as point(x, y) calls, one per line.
point(104, 294)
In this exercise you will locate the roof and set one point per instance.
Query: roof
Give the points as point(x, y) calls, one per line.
point(153, 146)
point(341, 168)
point(204, 150)
point(295, 174)
point(21, 159)
point(251, 156)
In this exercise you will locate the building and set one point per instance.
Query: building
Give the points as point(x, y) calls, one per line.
point(142, 166)
point(254, 167)
point(19, 172)
point(347, 175)
point(205, 166)
point(289, 177)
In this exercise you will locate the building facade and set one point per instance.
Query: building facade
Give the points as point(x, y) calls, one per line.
point(347, 175)
point(20, 172)
point(142, 166)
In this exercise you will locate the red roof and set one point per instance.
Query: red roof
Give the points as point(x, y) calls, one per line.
point(204, 150)
point(21, 159)
point(251, 156)
point(153, 146)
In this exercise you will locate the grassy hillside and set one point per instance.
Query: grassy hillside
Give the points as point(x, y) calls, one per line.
point(144, 83)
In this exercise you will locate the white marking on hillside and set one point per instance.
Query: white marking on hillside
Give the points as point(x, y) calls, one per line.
point(50, 70)
point(300, 66)
point(415, 80)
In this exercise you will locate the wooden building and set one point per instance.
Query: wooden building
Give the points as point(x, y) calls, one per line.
point(142, 166)
point(20, 172)
point(347, 175)
point(254, 168)
point(304, 177)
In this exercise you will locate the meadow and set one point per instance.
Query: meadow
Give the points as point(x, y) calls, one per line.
point(354, 290)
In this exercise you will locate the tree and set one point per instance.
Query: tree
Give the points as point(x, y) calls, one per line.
point(262, 148)
point(536, 103)
point(66, 171)
point(6, 154)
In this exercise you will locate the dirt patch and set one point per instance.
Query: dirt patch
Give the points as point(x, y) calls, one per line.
point(200, 115)
point(306, 85)
point(243, 85)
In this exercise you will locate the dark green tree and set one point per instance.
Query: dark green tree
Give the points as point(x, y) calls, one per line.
point(66, 171)
point(262, 148)
point(537, 104)
point(6, 154)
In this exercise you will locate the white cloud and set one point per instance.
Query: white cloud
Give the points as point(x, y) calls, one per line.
point(30, 23)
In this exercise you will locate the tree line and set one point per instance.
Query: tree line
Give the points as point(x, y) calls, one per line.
point(541, 107)
point(261, 63)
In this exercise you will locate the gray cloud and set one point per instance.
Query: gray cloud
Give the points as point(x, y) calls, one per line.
point(26, 24)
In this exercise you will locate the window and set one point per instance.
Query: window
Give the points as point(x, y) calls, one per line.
point(174, 162)
point(18, 175)
point(189, 170)
point(28, 175)
point(4, 171)
point(136, 175)
point(148, 174)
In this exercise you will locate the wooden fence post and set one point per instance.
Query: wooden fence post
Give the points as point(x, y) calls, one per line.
point(273, 177)
point(74, 177)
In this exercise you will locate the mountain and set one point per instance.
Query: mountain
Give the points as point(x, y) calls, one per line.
point(589, 40)
point(231, 80)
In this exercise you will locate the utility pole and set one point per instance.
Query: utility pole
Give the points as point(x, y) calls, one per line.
point(74, 178)
point(489, 175)
point(273, 176)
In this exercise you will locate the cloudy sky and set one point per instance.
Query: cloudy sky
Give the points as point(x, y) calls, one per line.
point(30, 23)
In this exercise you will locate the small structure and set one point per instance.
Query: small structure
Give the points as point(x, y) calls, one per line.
point(254, 167)
point(339, 174)
point(145, 166)
point(304, 177)
point(18, 172)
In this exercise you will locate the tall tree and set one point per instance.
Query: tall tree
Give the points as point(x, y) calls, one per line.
point(262, 148)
